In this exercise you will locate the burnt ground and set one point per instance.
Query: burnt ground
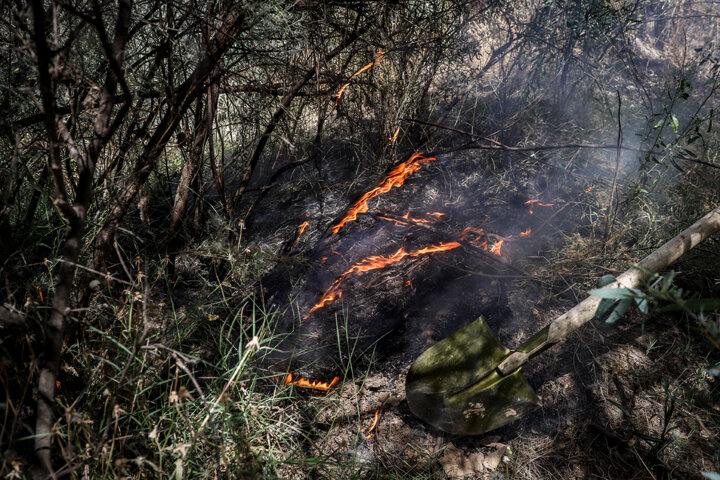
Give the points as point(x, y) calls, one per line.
point(605, 402)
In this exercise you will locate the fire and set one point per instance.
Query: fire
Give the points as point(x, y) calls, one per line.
point(303, 382)
point(477, 232)
point(435, 217)
point(536, 202)
point(372, 427)
point(40, 294)
point(477, 237)
point(395, 178)
point(589, 189)
point(497, 246)
point(526, 232)
point(302, 227)
point(394, 137)
point(339, 94)
point(374, 263)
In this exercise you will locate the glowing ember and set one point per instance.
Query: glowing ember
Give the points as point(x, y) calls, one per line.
point(394, 137)
point(536, 202)
point(374, 263)
point(526, 232)
point(395, 178)
point(308, 384)
point(478, 237)
point(436, 217)
point(40, 294)
point(477, 234)
point(340, 92)
point(497, 246)
point(372, 427)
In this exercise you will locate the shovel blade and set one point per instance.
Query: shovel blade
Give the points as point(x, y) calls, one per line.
point(455, 387)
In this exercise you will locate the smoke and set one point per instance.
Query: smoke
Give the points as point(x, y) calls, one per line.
point(546, 147)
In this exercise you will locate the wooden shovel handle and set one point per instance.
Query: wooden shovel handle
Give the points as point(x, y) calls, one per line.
point(584, 311)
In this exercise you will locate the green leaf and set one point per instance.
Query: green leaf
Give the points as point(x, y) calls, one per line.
point(659, 124)
point(615, 293)
point(604, 306)
point(643, 305)
point(695, 305)
point(619, 311)
point(606, 280)
point(711, 475)
point(674, 122)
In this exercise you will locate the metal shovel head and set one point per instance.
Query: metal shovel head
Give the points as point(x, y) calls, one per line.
point(455, 387)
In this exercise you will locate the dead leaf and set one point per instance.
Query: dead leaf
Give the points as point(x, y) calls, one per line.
point(493, 459)
point(456, 464)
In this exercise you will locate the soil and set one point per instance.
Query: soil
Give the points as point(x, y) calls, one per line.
point(605, 404)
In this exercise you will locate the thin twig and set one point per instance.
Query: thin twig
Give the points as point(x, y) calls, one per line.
point(610, 214)
point(109, 277)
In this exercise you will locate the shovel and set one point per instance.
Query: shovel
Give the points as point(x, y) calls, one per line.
point(469, 384)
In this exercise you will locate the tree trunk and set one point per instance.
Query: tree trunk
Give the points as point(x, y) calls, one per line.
point(194, 163)
point(184, 95)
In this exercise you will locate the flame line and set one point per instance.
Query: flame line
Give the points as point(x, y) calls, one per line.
point(394, 137)
point(373, 263)
point(376, 60)
point(305, 383)
point(372, 427)
point(395, 178)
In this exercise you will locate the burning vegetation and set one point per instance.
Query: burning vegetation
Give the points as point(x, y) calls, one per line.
point(315, 385)
point(179, 231)
point(395, 178)
point(376, 61)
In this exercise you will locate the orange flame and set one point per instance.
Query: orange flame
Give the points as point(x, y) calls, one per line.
point(372, 427)
point(40, 294)
point(589, 189)
point(394, 137)
point(477, 232)
point(395, 178)
point(303, 382)
point(373, 263)
point(477, 237)
point(339, 94)
point(407, 216)
point(302, 227)
point(526, 232)
point(497, 246)
point(539, 204)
